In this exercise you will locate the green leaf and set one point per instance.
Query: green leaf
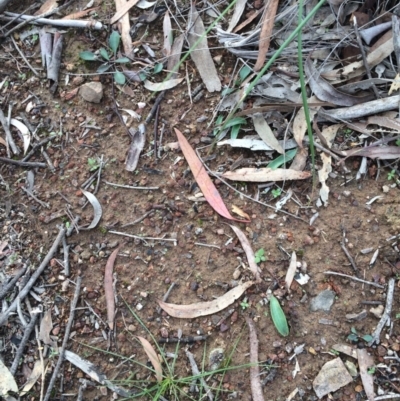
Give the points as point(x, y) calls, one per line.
point(142, 76)
point(282, 159)
point(352, 337)
point(158, 68)
point(104, 67)
point(227, 91)
point(104, 54)
point(244, 72)
point(278, 317)
point(119, 78)
point(235, 121)
point(235, 131)
point(122, 60)
point(114, 41)
point(353, 330)
point(367, 338)
point(87, 55)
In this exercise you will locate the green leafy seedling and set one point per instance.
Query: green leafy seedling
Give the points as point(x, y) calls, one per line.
point(244, 304)
point(259, 256)
point(93, 164)
point(109, 59)
point(278, 317)
point(354, 336)
point(276, 192)
point(282, 159)
point(391, 175)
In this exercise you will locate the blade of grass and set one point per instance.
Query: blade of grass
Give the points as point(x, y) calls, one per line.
point(271, 61)
point(304, 95)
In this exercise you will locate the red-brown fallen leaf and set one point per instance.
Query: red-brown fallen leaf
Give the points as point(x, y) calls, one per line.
point(152, 354)
point(206, 308)
point(108, 288)
point(200, 175)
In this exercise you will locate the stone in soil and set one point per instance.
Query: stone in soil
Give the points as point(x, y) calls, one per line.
point(323, 301)
point(92, 92)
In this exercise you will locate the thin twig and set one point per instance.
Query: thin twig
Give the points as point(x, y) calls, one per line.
point(386, 314)
point(29, 193)
point(156, 131)
point(36, 146)
point(24, 340)
point(355, 279)
point(23, 57)
point(130, 186)
point(143, 238)
point(66, 256)
point(66, 338)
point(21, 163)
point(25, 291)
point(138, 220)
point(40, 348)
point(9, 138)
point(207, 245)
point(153, 110)
point(11, 284)
point(196, 372)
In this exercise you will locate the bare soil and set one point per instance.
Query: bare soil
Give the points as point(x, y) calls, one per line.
point(144, 270)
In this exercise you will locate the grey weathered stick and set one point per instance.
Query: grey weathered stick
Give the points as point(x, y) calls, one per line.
point(66, 256)
point(23, 57)
point(355, 279)
point(21, 163)
point(29, 193)
point(351, 260)
point(66, 338)
point(256, 389)
point(25, 291)
point(386, 314)
point(11, 284)
point(196, 372)
point(25, 338)
point(9, 137)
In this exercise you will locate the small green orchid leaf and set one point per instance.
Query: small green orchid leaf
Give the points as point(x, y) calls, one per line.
point(158, 68)
point(122, 60)
point(87, 56)
point(235, 121)
point(114, 41)
point(278, 317)
point(103, 68)
point(282, 159)
point(367, 338)
point(119, 78)
point(235, 131)
point(244, 72)
point(104, 54)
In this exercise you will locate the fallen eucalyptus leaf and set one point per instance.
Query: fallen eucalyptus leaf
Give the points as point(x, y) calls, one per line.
point(162, 86)
point(7, 381)
point(206, 308)
point(23, 129)
point(152, 354)
point(251, 174)
point(96, 207)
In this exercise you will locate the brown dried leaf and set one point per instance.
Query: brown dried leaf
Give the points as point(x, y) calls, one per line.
point(264, 131)
point(175, 56)
point(237, 13)
point(46, 325)
point(326, 92)
point(206, 308)
point(265, 174)
point(256, 388)
point(385, 122)
point(266, 32)
point(152, 354)
point(240, 212)
point(80, 14)
point(203, 180)
point(300, 123)
point(366, 361)
point(122, 10)
point(323, 175)
point(373, 152)
point(108, 288)
point(138, 139)
point(249, 253)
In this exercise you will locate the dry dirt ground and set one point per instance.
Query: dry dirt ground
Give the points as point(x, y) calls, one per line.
point(144, 270)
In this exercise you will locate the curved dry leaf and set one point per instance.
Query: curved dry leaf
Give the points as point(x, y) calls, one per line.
point(96, 207)
point(323, 175)
point(203, 180)
point(300, 123)
point(249, 253)
point(23, 129)
point(167, 30)
point(237, 13)
point(365, 361)
point(152, 354)
point(265, 174)
point(143, 4)
point(108, 288)
point(291, 271)
point(162, 86)
point(264, 131)
point(237, 210)
point(373, 152)
point(206, 308)
point(326, 92)
point(35, 374)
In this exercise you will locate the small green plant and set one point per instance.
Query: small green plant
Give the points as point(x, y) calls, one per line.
point(391, 175)
point(109, 59)
point(93, 164)
point(276, 193)
point(398, 142)
point(244, 304)
point(397, 315)
point(355, 337)
point(371, 370)
point(259, 256)
point(278, 317)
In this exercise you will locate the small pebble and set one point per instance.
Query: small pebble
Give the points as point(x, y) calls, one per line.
point(139, 306)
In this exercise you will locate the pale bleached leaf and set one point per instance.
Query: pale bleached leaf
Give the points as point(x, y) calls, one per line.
point(262, 128)
point(206, 308)
point(46, 325)
point(96, 208)
point(251, 142)
point(23, 129)
point(35, 374)
point(300, 122)
point(200, 53)
point(323, 175)
point(138, 139)
point(365, 362)
point(329, 133)
point(251, 259)
point(265, 174)
point(162, 86)
point(291, 271)
point(109, 289)
point(143, 4)
point(152, 354)
point(7, 381)
point(237, 13)
point(167, 30)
